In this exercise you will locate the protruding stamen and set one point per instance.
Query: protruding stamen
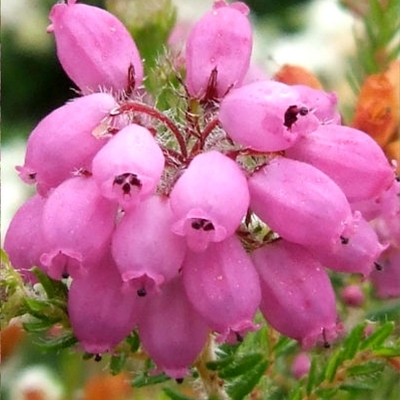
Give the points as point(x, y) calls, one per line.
point(344, 240)
point(378, 267)
point(141, 292)
point(202, 223)
point(97, 357)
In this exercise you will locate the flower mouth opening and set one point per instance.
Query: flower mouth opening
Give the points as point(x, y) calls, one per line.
point(202, 224)
point(292, 113)
point(127, 182)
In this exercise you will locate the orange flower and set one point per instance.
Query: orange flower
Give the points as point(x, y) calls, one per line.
point(108, 387)
point(295, 75)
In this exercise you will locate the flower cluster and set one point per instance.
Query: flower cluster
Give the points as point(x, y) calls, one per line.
point(179, 228)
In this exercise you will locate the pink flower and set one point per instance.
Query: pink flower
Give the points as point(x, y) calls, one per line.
point(301, 203)
point(127, 169)
point(63, 142)
point(102, 309)
point(209, 200)
point(144, 248)
point(266, 116)
point(348, 156)
point(77, 225)
point(171, 331)
point(218, 51)
point(353, 295)
point(297, 296)
point(300, 365)
point(24, 243)
point(95, 49)
point(223, 286)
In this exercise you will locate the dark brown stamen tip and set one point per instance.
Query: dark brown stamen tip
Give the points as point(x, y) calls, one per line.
point(344, 240)
point(179, 381)
point(141, 292)
point(378, 267)
point(97, 357)
point(239, 337)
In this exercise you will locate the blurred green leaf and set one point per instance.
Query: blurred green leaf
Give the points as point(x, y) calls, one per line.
point(172, 394)
point(117, 363)
point(240, 365)
point(144, 379)
point(378, 337)
point(58, 343)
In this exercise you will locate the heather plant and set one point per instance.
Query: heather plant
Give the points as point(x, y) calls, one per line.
point(205, 230)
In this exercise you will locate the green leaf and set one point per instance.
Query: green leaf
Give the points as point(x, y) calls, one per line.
point(366, 369)
point(175, 395)
point(52, 287)
point(388, 311)
point(37, 325)
point(134, 341)
point(284, 346)
point(240, 365)
point(332, 366)
point(219, 364)
point(387, 351)
point(243, 385)
point(35, 306)
point(352, 342)
point(313, 380)
point(326, 393)
point(117, 363)
point(144, 379)
point(378, 337)
point(356, 386)
point(61, 342)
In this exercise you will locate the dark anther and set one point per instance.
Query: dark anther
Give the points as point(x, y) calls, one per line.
point(326, 343)
point(97, 357)
point(344, 240)
point(119, 180)
point(202, 223)
point(65, 275)
point(32, 176)
point(239, 337)
point(141, 292)
point(126, 188)
point(134, 181)
point(211, 91)
point(291, 115)
point(397, 178)
point(179, 380)
point(126, 181)
point(378, 267)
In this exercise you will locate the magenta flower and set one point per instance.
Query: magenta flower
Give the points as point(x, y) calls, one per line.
point(23, 242)
point(357, 256)
point(209, 200)
point(353, 295)
point(77, 225)
point(171, 331)
point(266, 116)
point(301, 203)
point(102, 309)
point(95, 49)
point(223, 286)
point(218, 51)
point(297, 296)
point(350, 157)
point(300, 365)
point(127, 169)
point(144, 248)
point(63, 142)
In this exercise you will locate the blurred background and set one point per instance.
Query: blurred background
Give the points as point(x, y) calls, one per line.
point(316, 34)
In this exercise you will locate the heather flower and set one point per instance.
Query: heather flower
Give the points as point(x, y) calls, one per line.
point(144, 248)
point(266, 116)
point(63, 142)
point(77, 223)
point(218, 51)
point(223, 286)
point(127, 169)
point(102, 309)
point(353, 295)
point(300, 365)
point(359, 255)
point(24, 242)
point(350, 157)
point(94, 48)
point(209, 200)
point(171, 331)
point(297, 298)
point(301, 203)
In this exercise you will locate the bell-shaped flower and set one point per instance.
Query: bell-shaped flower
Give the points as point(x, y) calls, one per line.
point(386, 280)
point(77, 225)
point(95, 49)
point(321, 103)
point(350, 157)
point(63, 142)
point(357, 256)
point(23, 242)
point(297, 296)
point(301, 203)
point(223, 286)
point(102, 309)
point(218, 51)
point(209, 200)
point(266, 116)
point(144, 248)
point(127, 169)
point(171, 331)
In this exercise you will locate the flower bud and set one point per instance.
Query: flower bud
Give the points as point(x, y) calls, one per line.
point(350, 157)
point(223, 286)
point(297, 297)
point(77, 226)
point(63, 142)
point(144, 248)
point(353, 295)
point(266, 116)
point(301, 203)
point(95, 49)
point(23, 242)
point(209, 200)
point(301, 365)
point(218, 51)
point(127, 169)
point(171, 331)
point(102, 310)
